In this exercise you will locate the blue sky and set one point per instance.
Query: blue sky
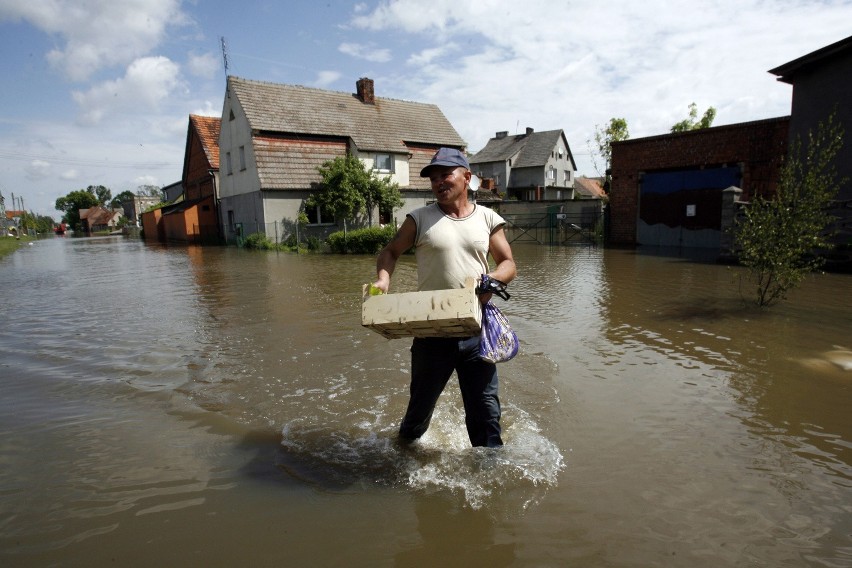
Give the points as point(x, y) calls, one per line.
point(98, 92)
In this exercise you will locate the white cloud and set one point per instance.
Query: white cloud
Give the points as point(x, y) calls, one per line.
point(368, 52)
point(38, 170)
point(493, 65)
point(209, 108)
point(147, 180)
point(147, 82)
point(426, 56)
point(70, 175)
point(97, 33)
point(326, 78)
point(205, 65)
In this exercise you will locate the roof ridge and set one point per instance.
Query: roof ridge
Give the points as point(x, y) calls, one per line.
point(328, 91)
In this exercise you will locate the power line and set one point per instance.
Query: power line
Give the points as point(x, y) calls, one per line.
point(26, 156)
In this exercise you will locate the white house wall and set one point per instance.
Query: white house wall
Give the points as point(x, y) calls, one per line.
point(401, 172)
point(236, 133)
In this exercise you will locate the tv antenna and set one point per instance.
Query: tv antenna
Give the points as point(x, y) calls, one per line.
point(224, 46)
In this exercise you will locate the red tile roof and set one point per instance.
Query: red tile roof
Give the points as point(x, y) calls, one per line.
point(588, 186)
point(208, 128)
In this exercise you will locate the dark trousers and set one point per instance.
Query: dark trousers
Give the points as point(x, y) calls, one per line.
point(433, 360)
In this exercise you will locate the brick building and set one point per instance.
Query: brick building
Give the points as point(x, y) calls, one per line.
point(667, 190)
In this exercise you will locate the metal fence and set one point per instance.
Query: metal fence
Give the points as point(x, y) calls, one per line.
point(552, 228)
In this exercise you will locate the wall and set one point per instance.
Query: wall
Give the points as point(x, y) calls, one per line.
point(151, 225)
point(816, 92)
point(757, 147)
point(233, 134)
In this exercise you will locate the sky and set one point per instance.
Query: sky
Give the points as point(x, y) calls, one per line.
point(99, 92)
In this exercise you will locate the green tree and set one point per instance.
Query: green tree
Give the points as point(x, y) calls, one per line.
point(73, 202)
point(125, 195)
point(41, 223)
point(103, 194)
point(348, 189)
point(691, 123)
point(780, 238)
point(615, 131)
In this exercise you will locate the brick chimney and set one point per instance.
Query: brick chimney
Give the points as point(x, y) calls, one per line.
point(529, 131)
point(365, 90)
point(502, 134)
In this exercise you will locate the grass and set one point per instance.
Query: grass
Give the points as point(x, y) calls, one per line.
point(8, 245)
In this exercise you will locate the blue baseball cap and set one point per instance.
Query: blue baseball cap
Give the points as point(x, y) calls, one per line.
point(446, 157)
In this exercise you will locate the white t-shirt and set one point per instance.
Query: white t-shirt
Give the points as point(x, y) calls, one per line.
point(450, 250)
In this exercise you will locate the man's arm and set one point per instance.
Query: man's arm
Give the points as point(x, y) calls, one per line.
point(501, 252)
point(386, 261)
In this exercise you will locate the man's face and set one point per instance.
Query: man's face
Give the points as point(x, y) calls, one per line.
point(448, 182)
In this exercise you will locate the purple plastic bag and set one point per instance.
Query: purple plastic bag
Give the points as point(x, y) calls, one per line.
point(498, 342)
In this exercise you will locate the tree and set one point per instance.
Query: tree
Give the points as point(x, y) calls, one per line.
point(348, 188)
point(604, 137)
point(780, 237)
point(690, 123)
point(73, 202)
point(149, 191)
point(41, 223)
point(125, 195)
point(103, 194)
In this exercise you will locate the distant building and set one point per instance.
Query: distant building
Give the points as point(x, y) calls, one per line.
point(134, 207)
point(98, 219)
point(588, 188)
point(534, 166)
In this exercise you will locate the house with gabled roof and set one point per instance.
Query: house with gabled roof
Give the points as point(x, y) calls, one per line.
point(534, 166)
point(195, 217)
point(99, 218)
point(192, 216)
point(589, 188)
point(274, 137)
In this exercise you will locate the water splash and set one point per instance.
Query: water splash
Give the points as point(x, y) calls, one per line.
point(442, 461)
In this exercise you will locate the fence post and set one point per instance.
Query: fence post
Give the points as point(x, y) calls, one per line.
point(727, 238)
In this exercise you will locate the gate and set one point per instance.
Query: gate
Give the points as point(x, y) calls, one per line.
point(584, 227)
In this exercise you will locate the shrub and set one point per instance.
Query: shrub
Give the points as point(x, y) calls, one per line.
point(369, 240)
point(258, 241)
point(780, 237)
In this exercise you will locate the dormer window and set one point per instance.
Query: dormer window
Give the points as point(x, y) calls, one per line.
point(384, 163)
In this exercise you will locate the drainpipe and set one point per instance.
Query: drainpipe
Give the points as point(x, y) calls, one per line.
point(221, 223)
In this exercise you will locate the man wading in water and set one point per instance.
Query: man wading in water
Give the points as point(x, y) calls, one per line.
point(452, 240)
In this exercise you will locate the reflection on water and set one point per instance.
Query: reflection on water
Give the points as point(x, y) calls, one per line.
point(651, 414)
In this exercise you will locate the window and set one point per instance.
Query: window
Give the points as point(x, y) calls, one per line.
point(228, 163)
point(319, 216)
point(551, 173)
point(384, 162)
point(567, 177)
point(242, 157)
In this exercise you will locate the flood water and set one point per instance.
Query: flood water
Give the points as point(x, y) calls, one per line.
point(187, 406)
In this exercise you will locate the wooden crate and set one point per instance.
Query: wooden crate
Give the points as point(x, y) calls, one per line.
point(436, 313)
